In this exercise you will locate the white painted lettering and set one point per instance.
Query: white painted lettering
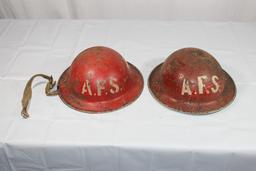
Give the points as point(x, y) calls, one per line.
point(87, 88)
point(201, 85)
point(186, 88)
point(100, 86)
point(114, 86)
point(214, 81)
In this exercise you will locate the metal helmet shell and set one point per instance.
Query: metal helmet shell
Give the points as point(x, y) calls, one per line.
point(192, 81)
point(99, 80)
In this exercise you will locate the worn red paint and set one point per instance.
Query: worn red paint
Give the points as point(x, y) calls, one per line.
point(100, 80)
point(192, 81)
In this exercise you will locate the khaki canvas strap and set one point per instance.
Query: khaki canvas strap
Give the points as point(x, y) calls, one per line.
point(27, 94)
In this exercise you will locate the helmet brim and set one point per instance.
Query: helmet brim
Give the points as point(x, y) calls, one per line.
point(83, 105)
point(162, 95)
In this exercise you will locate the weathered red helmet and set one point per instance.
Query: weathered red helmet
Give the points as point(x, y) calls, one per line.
point(192, 81)
point(98, 80)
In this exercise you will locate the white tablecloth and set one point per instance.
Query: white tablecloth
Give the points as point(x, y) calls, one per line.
point(209, 10)
point(142, 136)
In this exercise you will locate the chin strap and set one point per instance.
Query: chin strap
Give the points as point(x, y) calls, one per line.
point(27, 94)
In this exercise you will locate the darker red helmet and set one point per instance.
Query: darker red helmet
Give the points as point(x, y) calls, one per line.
point(191, 80)
point(99, 80)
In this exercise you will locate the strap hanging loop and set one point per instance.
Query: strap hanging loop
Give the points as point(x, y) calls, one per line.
point(27, 94)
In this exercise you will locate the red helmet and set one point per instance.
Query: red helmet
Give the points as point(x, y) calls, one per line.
point(192, 81)
point(99, 80)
